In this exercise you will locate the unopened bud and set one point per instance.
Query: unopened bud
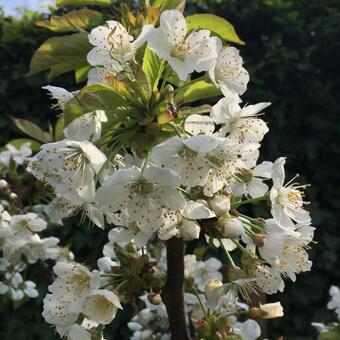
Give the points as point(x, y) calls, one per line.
point(271, 310)
point(189, 230)
point(259, 240)
point(13, 196)
point(169, 89)
point(255, 312)
point(231, 227)
point(201, 323)
point(211, 285)
point(220, 205)
point(154, 298)
point(3, 184)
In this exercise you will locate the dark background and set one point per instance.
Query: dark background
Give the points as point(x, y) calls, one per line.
point(292, 52)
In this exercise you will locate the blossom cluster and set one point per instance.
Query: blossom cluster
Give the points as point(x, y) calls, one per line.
point(21, 243)
point(331, 330)
point(197, 182)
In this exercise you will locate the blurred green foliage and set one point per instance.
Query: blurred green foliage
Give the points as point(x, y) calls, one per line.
point(292, 53)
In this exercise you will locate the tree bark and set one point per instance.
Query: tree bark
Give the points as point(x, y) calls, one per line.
point(173, 292)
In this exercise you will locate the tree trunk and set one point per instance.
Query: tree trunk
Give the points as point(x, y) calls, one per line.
point(173, 292)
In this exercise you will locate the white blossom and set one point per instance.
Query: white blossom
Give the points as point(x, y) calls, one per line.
point(61, 95)
point(86, 127)
point(73, 281)
point(113, 42)
point(242, 124)
point(143, 193)
point(187, 157)
point(286, 249)
point(227, 72)
point(287, 199)
point(101, 306)
point(69, 167)
point(250, 181)
point(334, 303)
point(18, 155)
point(184, 52)
point(201, 271)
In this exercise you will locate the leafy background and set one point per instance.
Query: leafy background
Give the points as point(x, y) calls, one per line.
point(292, 53)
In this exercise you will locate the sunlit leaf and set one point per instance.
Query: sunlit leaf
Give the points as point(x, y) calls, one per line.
point(72, 21)
point(196, 90)
point(32, 130)
point(166, 4)
point(61, 54)
point(152, 67)
point(217, 25)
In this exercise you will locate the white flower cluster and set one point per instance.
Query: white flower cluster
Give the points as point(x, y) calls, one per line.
point(208, 171)
point(334, 304)
point(21, 243)
point(76, 291)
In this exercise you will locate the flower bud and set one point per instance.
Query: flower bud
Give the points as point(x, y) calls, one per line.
point(154, 298)
point(220, 204)
point(13, 196)
point(189, 230)
point(105, 264)
point(259, 240)
point(231, 227)
point(211, 285)
point(3, 184)
point(271, 310)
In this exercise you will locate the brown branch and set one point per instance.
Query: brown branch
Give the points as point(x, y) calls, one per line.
point(173, 292)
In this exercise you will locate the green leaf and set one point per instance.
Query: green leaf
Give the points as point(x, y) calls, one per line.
point(35, 146)
point(71, 21)
point(196, 90)
point(166, 4)
point(217, 25)
point(32, 130)
point(83, 2)
point(98, 97)
point(81, 73)
point(61, 54)
point(152, 67)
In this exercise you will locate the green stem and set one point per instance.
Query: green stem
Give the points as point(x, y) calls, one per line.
point(244, 220)
point(175, 128)
point(200, 301)
point(146, 161)
point(251, 200)
point(229, 258)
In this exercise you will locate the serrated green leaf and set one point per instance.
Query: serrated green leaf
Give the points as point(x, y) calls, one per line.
point(61, 54)
point(217, 25)
point(71, 21)
point(196, 90)
point(18, 142)
point(33, 130)
point(152, 67)
point(60, 3)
